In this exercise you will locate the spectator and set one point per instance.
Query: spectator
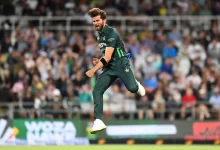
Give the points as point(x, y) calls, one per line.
point(184, 5)
point(4, 72)
point(178, 82)
point(188, 103)
point(215, 102)
point(61, 84)
point(198, 52)
point(164, 78)
point(78, 82)
point(144, 108)
point(163, 10)
point(44, 65)
point(55, 65)
point(203, 40)
point(6, 45)
point(85, 100)
point(91, 46)
point(19, 85)
point(158, 103)
point(194, 80)
point(149, 67)
point(214, 49)
point(194, 10)
point(21, 44)
point(196, 67)
point(28, 61)
point(116, 103)
point(160, 44)
point(216, 9)
point(175, 36)
point(133, 45)
point(54, 103)
point(173, 103)
point(202, 107)
point(150, 84)
point(28, 105)
point(147, 41)
point(182, 65)
point(167, 66)
point(71, 101)
point(140, 61)
point(36, 85)
point(170, 50)
point(186, 47)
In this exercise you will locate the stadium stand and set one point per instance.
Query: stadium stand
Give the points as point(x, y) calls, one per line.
point(46, 47)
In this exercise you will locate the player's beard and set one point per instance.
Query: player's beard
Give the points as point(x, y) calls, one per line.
point(100, 27)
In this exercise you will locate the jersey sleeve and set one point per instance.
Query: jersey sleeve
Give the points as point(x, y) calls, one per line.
point(112, 39)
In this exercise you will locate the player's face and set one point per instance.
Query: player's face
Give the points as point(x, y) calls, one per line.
point(98, 23)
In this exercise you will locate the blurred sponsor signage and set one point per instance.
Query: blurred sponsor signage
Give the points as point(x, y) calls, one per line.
point(205, 131)
point(44, 132)
point(7, 133)
point(143, 129)
point(135, 130)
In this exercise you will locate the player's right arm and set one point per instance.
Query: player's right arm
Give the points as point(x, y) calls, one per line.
point(111, 42)
point(95, 61)
point(102, 62)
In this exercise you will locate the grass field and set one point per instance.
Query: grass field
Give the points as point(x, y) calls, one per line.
point(114, 147)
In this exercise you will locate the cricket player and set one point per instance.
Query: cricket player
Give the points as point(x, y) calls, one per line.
point(115, 65)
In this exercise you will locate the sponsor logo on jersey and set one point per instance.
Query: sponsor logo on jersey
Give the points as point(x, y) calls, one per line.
point(111, 39)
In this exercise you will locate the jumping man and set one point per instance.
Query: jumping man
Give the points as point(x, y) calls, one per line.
point(115, 65)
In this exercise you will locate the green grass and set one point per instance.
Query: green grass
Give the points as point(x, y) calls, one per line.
point(114, 147)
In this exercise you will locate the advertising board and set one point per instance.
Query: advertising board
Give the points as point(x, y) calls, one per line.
point(205, 131)
point(144, 129)
point(44, 132)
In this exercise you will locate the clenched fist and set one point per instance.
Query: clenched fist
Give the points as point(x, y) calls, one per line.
point(90, 73)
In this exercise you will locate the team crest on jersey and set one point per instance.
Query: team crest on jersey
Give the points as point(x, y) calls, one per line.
point(104, 38)
point(126, 70)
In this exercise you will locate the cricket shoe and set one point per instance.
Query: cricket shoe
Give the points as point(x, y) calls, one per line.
point(141, 90)
point(98, 126)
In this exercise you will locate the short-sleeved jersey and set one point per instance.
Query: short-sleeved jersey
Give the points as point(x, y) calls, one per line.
point(109, 37)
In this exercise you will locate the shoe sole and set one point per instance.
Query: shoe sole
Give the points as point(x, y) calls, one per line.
point(96, 131)
point(142, 88)
point(142, 94)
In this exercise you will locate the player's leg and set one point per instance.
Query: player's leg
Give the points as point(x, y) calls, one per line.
point(126, 74)
point(102, 84)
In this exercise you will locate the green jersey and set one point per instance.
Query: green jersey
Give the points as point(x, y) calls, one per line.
point(109, 37)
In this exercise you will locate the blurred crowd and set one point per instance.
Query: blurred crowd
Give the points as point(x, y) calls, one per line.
point(112, 7)
point(45, 72)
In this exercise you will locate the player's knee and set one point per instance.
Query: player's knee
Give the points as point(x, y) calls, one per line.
point(133, 89)
point(97, 92)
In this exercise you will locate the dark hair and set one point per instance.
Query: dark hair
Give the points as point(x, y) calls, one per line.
point(96, 12)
